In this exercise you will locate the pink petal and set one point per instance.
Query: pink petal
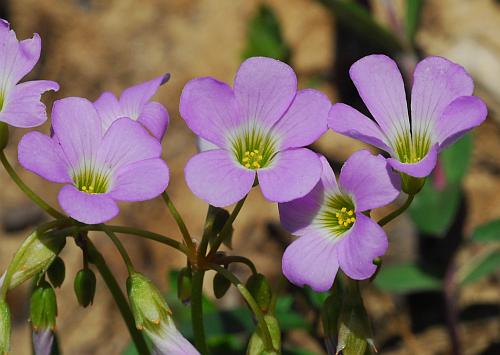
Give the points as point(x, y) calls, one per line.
point(216, 178)
point(420, 169)
point(264, 89)
point(292, 174)
point(108, 108)
point(133, 99)
point(155, 118)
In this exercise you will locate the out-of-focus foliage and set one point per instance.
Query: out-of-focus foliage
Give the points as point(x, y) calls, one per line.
point(406, 278)
point(412, 17)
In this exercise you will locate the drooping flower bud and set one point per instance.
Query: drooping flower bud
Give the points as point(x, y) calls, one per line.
point(43, 306)
point(153, 315)
point(184, 281)
point(84, 286)
point(256, 344)
point(43, 342)
point(4, 135)
point(260, 289)
point(34, 256)
point(4, 327)
point(221, 285)
point(57, 272)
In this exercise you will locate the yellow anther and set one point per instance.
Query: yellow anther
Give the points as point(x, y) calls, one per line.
point(245, 160)
point(343, 209)
point(252, 154)
point(260, 157)
point(256, 151)
point(353, 219)
point(337, 215)
point(247, 165)
point(84, 188)
point(247, 153)
point(341, 221)
point(350, 213)
point(346, 224)
point(256, 165)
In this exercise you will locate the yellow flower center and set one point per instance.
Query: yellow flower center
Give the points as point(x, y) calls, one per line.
point(252, 160)
point(345, 217)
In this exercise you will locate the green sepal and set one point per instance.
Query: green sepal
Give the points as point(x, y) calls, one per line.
point(43, 306)
point(34, 256)
point(148, 305)
point(84, 286)
point(57, 272)
point(5, 326)
point(260, 289)
point(220, 217)
point(4, 135)
point(256, 344)
point(410, 184)
point(221, 285)
point(184, 282)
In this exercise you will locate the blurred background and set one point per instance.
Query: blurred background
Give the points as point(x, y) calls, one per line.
point(440, 285)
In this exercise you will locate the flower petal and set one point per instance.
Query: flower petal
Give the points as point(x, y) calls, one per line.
point(108, 108)
point(43, 156)
point(357, 249)
point(126, 142)
point(133, 99)
point(23, 108)
point(155, 118)
point(381, 87)
point(369, 180)
point(311, 260)
point(264, 88)
point(436, 83)
point(214, 177)
point(292, 174)
point(305, 120)
point(87, 208)
point(210, 110)
point(421, 169)
point(463, 114)
point(77, 127)
point(140, 181)
point(348, 121)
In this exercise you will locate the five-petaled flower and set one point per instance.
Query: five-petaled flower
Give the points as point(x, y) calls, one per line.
point(442, 110)
point(98, 167)
point(20, 104)
point(332, 228)
point(134, 103)
point(260, 128)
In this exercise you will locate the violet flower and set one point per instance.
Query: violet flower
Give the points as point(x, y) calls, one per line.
point(20, 104)
point(134, 103)
point(442, 110)
point(260, 128)
point(334, 232)
point(43, 341)
point(98, 168)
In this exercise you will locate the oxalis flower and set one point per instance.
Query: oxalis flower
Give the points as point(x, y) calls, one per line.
point(442, 110)
point(334, 232)
point(135, 104)
point(20, 104)
point(98, 167)
point(259, 129)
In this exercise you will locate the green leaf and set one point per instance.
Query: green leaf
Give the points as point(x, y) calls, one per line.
point(488, 232)
point(433, 210)
point(287, 317)
point(489, 263)
point(456, 159)
point(406, 278)
point(264, 36)
point(412, 18)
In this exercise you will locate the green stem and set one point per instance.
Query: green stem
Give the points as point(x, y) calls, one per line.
point(238, 259)
point(197, 311)
point(180, 222)
point(32, 195)
point(120, 247)
point(108, 277)
point(268, 343)
point(227, 228)
point(396, 213)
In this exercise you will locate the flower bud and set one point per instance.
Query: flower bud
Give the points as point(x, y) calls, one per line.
point(57, 272)
point(259, 288)
point(84, 286)
point(147, 303)
point(4, 327)
point(411, 185)
point(256, 344)
point(44, 342)
point(221, 285)
point(43, 307)
point(4, 135)
point(34, 256)
point(184, 281)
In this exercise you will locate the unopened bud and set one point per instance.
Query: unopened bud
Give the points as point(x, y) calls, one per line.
point(43, 307)
point(84, 286)
point(259, 288)
point(148, 305)
point(256, 344)
point(34, 256)
point(221, 285)
point(57, 272)
point(4, 135)
point(4, 327)
point(184, 281)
